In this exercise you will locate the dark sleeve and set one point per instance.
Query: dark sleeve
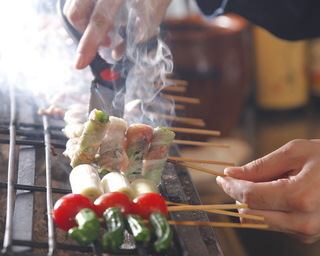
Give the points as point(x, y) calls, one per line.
point(287, 19)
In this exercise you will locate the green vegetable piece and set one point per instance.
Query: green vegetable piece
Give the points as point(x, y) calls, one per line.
point(137, 228)
point(114, 237)
point(88, 227)
point(101, 116)
point(162, 230)
point(80, 236)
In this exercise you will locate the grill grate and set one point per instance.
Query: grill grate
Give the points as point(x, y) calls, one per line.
point(29, 137)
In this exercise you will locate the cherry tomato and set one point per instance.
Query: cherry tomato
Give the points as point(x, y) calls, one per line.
point(113, 199)
point(67, 207)
point(148, 203)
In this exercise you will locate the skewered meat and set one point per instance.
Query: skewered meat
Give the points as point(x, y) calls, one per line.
point(157, 155)
point(113, 156)
point(77, 113)
point(71, 147)
point(138, 139)
point(73, 130)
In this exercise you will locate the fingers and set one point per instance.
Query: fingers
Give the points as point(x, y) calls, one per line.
point(118, 51)
point(276, 220)
point(272, 166)
point(78, 12)
point(304, 226)
point(262, 196)
point(96, 33)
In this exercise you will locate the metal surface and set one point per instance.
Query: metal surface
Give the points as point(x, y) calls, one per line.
point(24, 203)
point(42, 177)
point(7, 241)
point(47, 141)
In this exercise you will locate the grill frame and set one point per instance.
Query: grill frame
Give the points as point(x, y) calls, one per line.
point(176, 186)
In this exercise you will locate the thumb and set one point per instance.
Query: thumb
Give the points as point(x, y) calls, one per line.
point(269, 167)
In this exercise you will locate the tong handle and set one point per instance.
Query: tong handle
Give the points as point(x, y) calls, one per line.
point(103, 72)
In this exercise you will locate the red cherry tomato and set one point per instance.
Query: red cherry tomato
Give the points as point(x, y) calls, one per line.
point(67, 207)
point(113, 199)
point(148, 203)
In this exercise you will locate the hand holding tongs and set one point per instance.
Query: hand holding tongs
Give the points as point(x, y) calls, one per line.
point(107, 79)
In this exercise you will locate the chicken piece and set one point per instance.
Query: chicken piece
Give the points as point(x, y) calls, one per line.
point(113, 156)
point(157, 155)
point(138, 139)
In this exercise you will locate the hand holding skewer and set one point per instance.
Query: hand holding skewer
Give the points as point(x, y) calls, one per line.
point(282, 187)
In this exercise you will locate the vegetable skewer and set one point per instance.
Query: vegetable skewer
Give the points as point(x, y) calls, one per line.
point(85, 180)
point(90, 140)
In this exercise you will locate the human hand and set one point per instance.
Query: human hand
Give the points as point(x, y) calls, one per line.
point(95, 19)
point(283, 187)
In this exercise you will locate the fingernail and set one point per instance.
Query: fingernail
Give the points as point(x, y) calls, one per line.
point(80, 62)
point(231, 171)
point(219, 181)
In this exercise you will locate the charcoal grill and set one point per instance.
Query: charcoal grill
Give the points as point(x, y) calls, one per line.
point(37, 175)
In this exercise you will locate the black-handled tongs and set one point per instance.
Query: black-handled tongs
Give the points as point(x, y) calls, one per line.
point(107, 77)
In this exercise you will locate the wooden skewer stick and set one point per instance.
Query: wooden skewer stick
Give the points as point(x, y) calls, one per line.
point(236, 214)
point(173, 203)
point(195, 131)
point(178, 82)
point(201, 169)
point(173, 88)
point(228, 213)
point(182, 99)
point(218, 224)
point(203, 207)
point(200, 161)
point(179, 107)
point(200, 143)
point(186, 120)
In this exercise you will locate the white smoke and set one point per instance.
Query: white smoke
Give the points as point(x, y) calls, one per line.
point(152, 63)
point(35, 52)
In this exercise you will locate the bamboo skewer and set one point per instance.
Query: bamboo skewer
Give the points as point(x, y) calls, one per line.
point(202, 207)
point(236, 214)
point(201, 169)
point(174, 88)
point(192, 160)
point(224, 212)
point(178, 82)
point(195, 131)
point(218, 224)
point(186, 120)
point(200, 143)
point(179, 107)
point(182, 99)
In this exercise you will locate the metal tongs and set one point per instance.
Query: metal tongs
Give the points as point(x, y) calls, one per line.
point(103, 86)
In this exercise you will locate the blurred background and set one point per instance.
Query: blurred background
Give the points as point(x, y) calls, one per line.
point(258, 90)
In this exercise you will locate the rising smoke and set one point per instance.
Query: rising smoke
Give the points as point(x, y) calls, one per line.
point(36, 54)
point(151, 63)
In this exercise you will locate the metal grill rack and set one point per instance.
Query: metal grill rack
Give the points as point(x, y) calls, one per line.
point(30, 136)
